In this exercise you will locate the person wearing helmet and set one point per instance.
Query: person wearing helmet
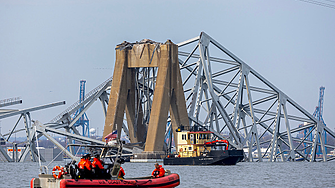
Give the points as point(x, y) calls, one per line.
point(97, 167)
point(88, 167)
point(81, 167)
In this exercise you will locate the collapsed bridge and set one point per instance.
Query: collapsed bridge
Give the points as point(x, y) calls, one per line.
point(220, 91)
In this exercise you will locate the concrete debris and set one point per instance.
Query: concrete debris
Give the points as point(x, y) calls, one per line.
point(129, 45)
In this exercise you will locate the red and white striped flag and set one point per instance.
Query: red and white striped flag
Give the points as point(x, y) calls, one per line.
point(111, 136)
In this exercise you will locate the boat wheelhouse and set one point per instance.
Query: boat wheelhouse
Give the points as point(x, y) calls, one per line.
point(195, 146)
point(191, 141)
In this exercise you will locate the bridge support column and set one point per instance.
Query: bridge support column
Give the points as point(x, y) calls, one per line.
point(168, 93)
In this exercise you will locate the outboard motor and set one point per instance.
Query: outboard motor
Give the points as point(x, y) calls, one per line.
point(72, 169)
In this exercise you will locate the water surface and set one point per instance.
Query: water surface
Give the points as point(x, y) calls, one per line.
point(245, 174)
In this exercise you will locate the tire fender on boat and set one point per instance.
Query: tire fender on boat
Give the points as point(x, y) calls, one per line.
point(57, 172)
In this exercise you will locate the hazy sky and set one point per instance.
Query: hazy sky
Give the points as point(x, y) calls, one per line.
point(47, 47)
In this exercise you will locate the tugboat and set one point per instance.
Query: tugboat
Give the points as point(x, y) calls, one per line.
point(69, 176)
point(196, 147)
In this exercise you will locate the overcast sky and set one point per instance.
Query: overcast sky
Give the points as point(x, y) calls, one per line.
point(47, 47)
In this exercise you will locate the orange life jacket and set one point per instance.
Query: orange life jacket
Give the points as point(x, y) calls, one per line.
point(97, 164)
point(81, 163)
point(88, 164)
point(158, 172)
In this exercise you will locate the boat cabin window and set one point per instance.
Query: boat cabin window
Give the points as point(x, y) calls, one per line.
point(219, 147)
point(190, 148)
point(192, 139)
point(202, 136)
point(183, 136)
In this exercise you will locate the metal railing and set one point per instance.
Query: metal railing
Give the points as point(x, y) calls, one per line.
point(10, 101)
point(89, 94)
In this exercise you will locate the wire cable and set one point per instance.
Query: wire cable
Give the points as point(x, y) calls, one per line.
point(330, 1)
point(320, 3)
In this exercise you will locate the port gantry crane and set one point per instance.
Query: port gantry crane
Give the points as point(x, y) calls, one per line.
point(319, 109)
point(83, 121)
point(318, 115)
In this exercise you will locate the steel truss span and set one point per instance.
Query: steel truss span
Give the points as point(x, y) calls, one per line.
point(223, 93)
point(227, 95)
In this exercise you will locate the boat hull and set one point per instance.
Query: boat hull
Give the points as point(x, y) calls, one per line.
point(226, 157)
point(168, 181)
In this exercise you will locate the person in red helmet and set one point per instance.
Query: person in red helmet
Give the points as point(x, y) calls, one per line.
point(158, 171)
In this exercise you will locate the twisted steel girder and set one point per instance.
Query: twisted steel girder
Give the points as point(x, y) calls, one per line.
point(246, 108)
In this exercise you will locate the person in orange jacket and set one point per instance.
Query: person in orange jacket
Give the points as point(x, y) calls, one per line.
point(84, 166)
point(121, 173)
point(158, 171)
point(88, 164)
point(88, 167)
point(97, 166)
point(81, 163)
point(81, 167)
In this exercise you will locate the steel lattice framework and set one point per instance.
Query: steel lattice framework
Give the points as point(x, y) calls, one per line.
point(223, 93)
point(236, 102)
